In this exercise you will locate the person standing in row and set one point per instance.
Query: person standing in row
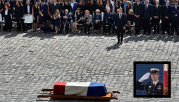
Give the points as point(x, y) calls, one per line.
point(166, 10)
point(147, 16)
point(28, 10)
point(157, 12)
point(174, 17)
point(35, 12)
point(7, 15)
point(138, 10)
point(1, 10)
point(19, 12)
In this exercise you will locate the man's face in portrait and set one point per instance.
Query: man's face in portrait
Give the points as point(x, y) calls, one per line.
point(154, 76)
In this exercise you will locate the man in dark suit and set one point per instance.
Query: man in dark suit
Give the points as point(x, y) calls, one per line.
point(107, 21)
point(53, 7)
point(154, 87)
point(120, 25)
point(157, 11)
point(174, 16)
point(166, 11)
point(28, 10)
point(147, 16)
point(138, 10)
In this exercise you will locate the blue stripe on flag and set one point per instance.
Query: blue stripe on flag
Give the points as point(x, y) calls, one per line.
point(97, 89)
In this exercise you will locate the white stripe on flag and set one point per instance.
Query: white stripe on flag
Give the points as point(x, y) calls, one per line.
point(77, 88)
point(165, 67)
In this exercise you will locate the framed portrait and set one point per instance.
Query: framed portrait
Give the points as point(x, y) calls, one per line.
point(152, 79)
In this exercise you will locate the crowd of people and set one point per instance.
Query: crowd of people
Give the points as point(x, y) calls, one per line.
point(53, 16)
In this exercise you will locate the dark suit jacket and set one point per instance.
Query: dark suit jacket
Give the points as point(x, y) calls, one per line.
point(148, 12)
point(53, 8)
point(166, 11)
point(138, 9)
point(120, 23)
point(157, 11)
point(74, 8)
point(108, 18)
point(162, 2)
point(94, 19)
point(174, 12)
point(19, 12)
point(25, 9)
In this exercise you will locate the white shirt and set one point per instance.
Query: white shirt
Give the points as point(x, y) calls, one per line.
point(72, 4)
point(120, 15)
point(157, 6)
point(155, 82)
point(55, 3)
point(28, 9)
point(6, 12)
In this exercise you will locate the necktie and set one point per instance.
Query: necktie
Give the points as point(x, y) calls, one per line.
point(146, 7)
point(156, 7)
point(120, 16)
point(176, 7)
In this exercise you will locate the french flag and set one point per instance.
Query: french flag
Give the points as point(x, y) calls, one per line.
point(79, 89)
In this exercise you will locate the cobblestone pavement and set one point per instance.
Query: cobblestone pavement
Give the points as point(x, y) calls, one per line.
point(32, 61)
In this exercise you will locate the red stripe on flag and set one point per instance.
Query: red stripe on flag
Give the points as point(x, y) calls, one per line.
point(165, 79)
point(59, 88)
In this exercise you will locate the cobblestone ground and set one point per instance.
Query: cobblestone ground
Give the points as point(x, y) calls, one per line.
point(32, 61)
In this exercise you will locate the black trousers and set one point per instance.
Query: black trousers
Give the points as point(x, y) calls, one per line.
point(108, 27)
point(156, 25)
point(120, 33)
point(147, 26)
point(19, 24)
point(97, 26)
point(175, 25)
point(166, 25)
point(137, 25)
point(87, 27)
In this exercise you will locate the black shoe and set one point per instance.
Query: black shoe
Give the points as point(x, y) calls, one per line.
point(117, 43)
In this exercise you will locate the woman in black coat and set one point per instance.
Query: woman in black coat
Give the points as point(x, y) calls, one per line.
point(7, 15)
point(19, 12)
point(88, 6)
point(67, 6)
point(98, 5)
point(81, 6)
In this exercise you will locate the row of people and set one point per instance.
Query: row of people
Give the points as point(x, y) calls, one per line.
point(142, 13)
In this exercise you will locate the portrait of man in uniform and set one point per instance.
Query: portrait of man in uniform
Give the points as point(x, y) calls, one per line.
point(154, 87)
point(152, 79)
